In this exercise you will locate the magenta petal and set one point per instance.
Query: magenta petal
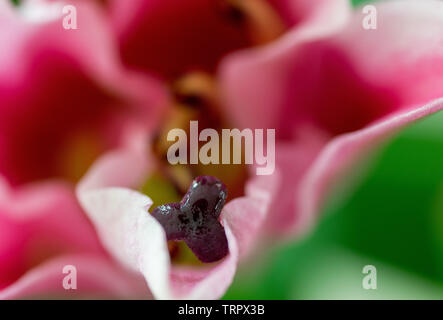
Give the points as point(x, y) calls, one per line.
point(59, 96)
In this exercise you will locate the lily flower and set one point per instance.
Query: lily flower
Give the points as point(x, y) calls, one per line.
point(121, 187)
point(311, 76)
point(330, 102)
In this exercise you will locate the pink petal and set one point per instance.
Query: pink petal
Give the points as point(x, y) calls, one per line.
point(329, 80)
point(138, 241)
point(96, 278)
point(409, 61)
point(293, 159)
point(58, 91)
point(334, 77)
point(42, 230)
point(297, 12)
point(342, 152)
point(158, 30)
point(39, 222)
point(247, 215)
point(243, 72)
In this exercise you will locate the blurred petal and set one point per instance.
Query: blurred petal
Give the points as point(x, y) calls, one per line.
point(60, 105)
point(268, 68)
point(300, 12)
point(247, 215)
point(406, 51)
point(342, 152)
point(39, 222)
point(336, 78)
point(42, 230)
point(96, 278)
point(153, 32)
point(293, 159)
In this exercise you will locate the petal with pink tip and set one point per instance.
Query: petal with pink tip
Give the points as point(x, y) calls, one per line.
point(342, 152)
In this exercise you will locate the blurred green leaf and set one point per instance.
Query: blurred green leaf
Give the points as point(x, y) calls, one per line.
point(360, 2)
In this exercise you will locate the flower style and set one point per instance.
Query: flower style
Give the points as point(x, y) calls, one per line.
point(136, 239)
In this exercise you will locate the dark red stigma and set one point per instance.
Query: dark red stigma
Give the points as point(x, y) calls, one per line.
point(196, 219)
